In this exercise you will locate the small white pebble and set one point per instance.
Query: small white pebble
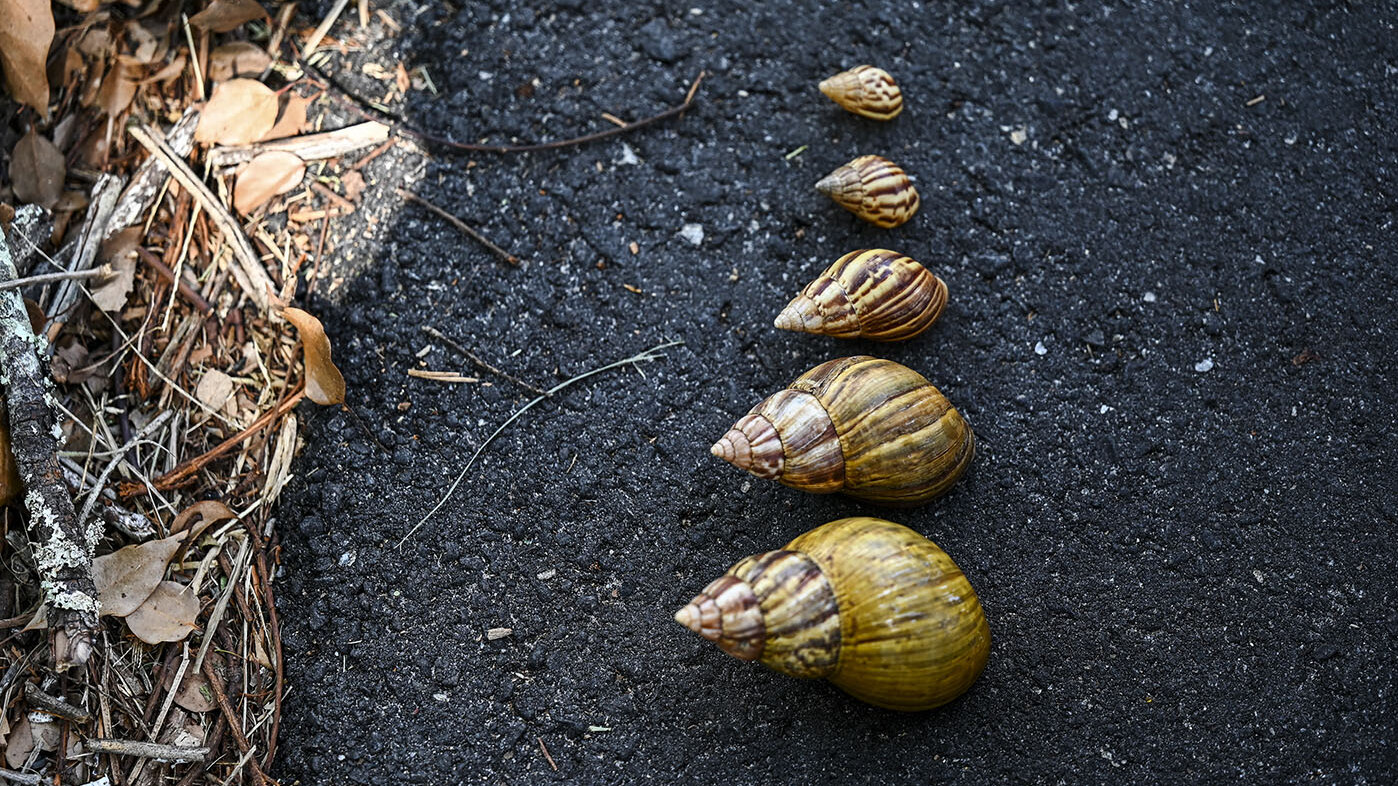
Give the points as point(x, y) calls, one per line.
point(628, 156)
point(1204, 366)
point(546, 575)
point(1040, 349)
point(1104, 410)
point(1113, 115)
point(1149, 297)
point(1019, 135)
point(440, 697)
point(693, 233)
point(347, 559)
point(498, 633)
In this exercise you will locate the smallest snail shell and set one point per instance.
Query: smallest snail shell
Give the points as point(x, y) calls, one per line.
point(874, 294)
point(873, 188)
point(865, 90)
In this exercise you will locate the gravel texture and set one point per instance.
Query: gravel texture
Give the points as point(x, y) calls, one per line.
point(1168, 232)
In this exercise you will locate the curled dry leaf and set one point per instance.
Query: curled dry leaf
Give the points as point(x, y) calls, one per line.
point(324, 383)
point(269, 174)
point(224, 15)
point(167, 615)
point(37, 169)
point(239, 112)
point(236, 59)
point(26, 31)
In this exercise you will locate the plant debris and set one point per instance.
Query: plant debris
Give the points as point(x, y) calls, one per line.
point(164, 208)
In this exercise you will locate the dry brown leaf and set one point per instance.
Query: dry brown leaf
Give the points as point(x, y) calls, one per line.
point(119, 87)
point(194, 694)
point(324, 383)
point(20, 744)
point(167, 615)
point(37, 168)
point(293, 118)
point(236, 59)
point(239, 112)
point(111, 294)
point(224, 15)
point(271, 173)
point(26, 31)
point(171, 70)
point(11, 487)
point(127, 576)
point(215, 388)
point(81, 6)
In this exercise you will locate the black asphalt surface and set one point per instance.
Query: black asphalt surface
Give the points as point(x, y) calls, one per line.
point(1169, 236)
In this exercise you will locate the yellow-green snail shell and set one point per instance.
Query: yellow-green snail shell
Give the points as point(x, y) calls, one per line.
point(873, 188)
point(871, 606)
point(872, 293)
point(865, 90)
point(870, 428)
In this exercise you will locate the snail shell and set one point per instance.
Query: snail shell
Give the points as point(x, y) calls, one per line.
point(873, 188)
point(865, 90)
point(875, 294)
point(868, 427)
point(870, 605)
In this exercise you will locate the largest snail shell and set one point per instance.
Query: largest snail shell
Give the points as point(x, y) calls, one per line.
point(868, 427)
point(875, 294)
point(873, 188)
point(865, 90)
point(870, 605)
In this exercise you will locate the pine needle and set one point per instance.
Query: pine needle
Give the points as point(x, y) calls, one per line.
point(646, 356)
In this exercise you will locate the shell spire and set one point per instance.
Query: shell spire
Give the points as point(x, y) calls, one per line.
point(870, 293)
point(873, 188)
point(752, 445)
point(866, 91)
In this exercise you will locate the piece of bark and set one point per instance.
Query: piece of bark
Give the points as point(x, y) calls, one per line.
point(94, 230)
point(309, 147)
point(62, 547)
point(151, 175)
point(35, 224)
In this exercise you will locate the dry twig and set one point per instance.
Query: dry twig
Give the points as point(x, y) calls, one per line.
point(461, 225)
point(647, 356)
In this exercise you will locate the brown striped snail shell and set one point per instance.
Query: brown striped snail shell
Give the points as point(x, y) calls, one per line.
point(871, 293)
point(873, 188)
point(870, 428)
point(865, 90)
point(871, 606)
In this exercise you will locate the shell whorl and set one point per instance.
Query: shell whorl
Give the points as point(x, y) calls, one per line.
point(777, 607)
point(752, 445)
point(865, 90)
point(870, 293)
point(727, 613)
point(873, 188)
point(788, 437)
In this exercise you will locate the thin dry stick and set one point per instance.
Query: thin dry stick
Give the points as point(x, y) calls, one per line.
point(403, 128)
point(221, 699)
point(148, 750)
point(442, 337)
point(547, 757)
point(54, 705)
point(646, 356)
point(46, 278)
point(101, 482)
point(251, 275)
point(324, 27)
point(187, 469)
point(461, 225)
